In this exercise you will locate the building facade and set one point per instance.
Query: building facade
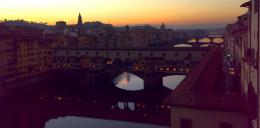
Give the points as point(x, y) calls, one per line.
point(27, 57)
point(8, 61)
point(178, 56)
point(242, 49)
point(253, 53)
point(45, 57)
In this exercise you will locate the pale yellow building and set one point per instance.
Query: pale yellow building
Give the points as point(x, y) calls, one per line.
point(27, 57)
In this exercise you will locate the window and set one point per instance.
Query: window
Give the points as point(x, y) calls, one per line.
point(185, 123)
point(225, 125)
point(140, 54)
point(97, 53)
point(128, 54)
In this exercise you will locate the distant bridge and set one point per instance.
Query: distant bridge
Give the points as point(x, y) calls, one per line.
point(71, 58)
point(201, 41)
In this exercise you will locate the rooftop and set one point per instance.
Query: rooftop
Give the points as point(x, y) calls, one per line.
point(204, 87)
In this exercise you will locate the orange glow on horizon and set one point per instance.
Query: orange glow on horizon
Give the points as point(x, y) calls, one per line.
point(122, 12)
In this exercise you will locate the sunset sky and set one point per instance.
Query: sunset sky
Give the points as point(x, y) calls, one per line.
point(122, 12)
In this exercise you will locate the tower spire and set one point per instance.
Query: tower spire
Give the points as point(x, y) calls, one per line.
point(80, 22)
point(80, 25)
point(163, 26)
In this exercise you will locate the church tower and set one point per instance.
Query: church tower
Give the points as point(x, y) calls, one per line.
point(163, 26)
point(80, 24)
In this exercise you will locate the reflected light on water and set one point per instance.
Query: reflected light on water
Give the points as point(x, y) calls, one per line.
point(79, 122)
point(172, 82)
point(131, 106)
point(126, 105)
point(182, 46)
point(205, 45)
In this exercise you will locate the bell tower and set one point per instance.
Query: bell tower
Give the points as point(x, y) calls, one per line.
point(80, 25)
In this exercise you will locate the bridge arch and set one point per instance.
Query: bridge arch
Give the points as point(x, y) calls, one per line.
point(129, 62)
point(172, 81)
point(118, 63)
point(218, 40)
point(205, 40)
point(124, 81)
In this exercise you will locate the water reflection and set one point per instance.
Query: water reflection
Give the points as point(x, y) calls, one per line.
point(130, 82)
point(33, 106)
point(79, 122)
point(205, 45)
point(182, 45)
point(137, 106)
point(125, 106)
point(172, 82)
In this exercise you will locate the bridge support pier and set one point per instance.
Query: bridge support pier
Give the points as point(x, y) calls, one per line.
point(152, 81)
point(211, 39)
point(94, 78)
